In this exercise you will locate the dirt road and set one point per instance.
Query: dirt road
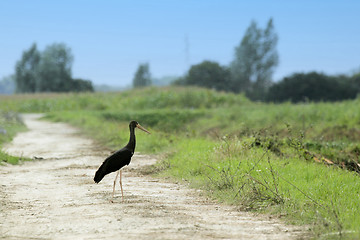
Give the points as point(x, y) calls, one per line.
point(55, 197)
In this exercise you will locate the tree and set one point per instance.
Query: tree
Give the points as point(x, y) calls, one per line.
point(26, 70)
point(142, 76)
point(55, 69)
point(48, 71)
point(81, 85)
point(311, 86)
point(210, 75)
point(355, 83)
point(255, 60)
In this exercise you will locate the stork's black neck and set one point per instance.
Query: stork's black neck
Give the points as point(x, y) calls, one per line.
point(132, 141)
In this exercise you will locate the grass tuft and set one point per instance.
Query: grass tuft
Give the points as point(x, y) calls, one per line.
point(10, 124)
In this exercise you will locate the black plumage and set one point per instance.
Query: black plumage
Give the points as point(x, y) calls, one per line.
point(113, 163)
point(120, 158)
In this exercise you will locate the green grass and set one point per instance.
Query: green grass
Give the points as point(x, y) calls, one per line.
point(140, 99)
point(10, 124)
point(302, 192)
point(259, 157)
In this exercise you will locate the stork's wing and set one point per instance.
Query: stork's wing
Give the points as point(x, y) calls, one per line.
point(113, 163)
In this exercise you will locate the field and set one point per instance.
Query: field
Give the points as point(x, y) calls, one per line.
point(299, 162)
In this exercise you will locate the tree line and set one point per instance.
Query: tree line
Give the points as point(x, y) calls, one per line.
point(251, 71)
point(313, 86)
point(48, 71)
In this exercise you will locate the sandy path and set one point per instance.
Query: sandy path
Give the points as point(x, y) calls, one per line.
point(55, 197)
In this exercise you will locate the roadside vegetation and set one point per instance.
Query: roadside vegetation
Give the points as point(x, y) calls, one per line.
point(299, 162)
point(10, 124)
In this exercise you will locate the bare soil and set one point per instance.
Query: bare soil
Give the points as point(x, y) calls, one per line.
point(54, 197)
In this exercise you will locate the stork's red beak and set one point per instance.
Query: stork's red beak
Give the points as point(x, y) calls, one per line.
point(140, 127)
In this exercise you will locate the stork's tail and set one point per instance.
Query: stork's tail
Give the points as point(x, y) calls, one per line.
point(100, 173)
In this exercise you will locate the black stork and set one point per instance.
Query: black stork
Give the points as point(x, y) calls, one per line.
point(119, 159)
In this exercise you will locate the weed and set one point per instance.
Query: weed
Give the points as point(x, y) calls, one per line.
point(10, 124)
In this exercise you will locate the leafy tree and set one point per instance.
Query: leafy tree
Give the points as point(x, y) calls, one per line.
point(142, 76)
point(81, 85)
point(55, 69)
point(210, 75)
point(355, 83)
point(255, 60)
point(311, 86)
point(48, 71)
point(26, 70)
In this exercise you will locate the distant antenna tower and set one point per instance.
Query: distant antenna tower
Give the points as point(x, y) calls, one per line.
point(187, 53)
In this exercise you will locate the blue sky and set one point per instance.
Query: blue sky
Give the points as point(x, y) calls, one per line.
point(109, 39)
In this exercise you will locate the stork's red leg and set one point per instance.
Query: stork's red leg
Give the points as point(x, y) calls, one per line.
point(117, 174)
point(122, 193)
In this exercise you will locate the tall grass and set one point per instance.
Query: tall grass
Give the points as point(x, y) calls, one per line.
point(140, 99)
point(237, 171)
